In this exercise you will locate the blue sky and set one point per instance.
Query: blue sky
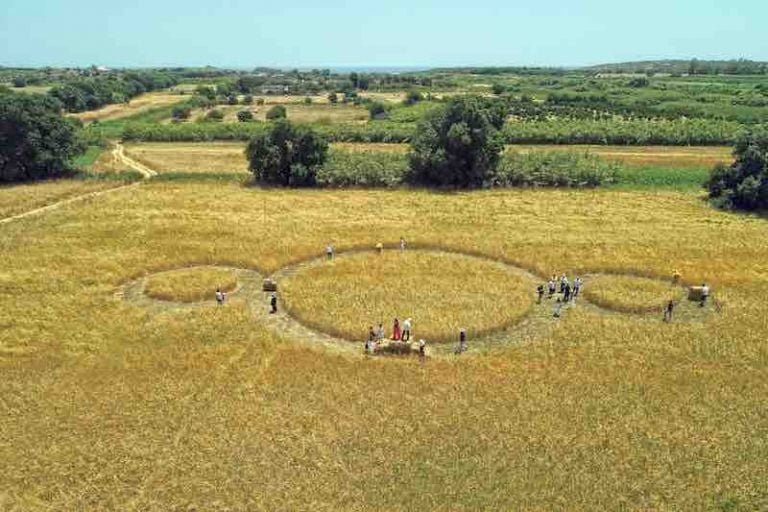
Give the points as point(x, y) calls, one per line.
point(306, 33)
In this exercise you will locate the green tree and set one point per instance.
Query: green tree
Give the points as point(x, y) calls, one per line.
point(36, 141)
point(286, 155)
point(245, 116)
point(498, 89)
point(744, 184)
point(413, 97)
point(377, 110)
point(247, 99)
point(181, 112)
point(19, 82)
point(277, 112)
point(214, 115)
point(458, 145)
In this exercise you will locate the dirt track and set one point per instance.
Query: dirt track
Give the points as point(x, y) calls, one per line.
point(118, 154)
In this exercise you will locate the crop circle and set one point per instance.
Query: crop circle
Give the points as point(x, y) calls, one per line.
point(190, 284)
point(441, 291)
point(630, 294)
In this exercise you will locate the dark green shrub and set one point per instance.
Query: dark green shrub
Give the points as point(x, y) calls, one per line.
point(245, 116)
point(369, 169)
point(214, 115)
point(277, 112)
point(555, 169)
point(743, 185)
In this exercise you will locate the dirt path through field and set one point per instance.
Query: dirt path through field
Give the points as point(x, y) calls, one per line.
point(118, 154)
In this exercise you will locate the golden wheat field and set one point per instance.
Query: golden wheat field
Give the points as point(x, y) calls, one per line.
point(190, 285)
point(443, 292)
point(218, 157)
point(632, 294)
point(108, 405)
point(18, 199)
point(137, 105)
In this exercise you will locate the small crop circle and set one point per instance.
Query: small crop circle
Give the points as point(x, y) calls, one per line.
point(440, 291)
point(190, 284)
point(630, 294)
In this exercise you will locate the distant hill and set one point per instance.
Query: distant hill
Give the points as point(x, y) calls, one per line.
point(687, 67)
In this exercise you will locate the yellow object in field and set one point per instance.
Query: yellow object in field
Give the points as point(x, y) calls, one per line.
point(380, 247)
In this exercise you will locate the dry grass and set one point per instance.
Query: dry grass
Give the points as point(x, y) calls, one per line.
point(665, 156)
point(15, 199)
point(631, 294)
point(296, 112)
point(138, 104)
point(190, 285)
point(108, 406)
point(440, 292)
point(218, 157)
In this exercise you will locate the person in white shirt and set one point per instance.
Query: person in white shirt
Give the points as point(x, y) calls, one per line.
point(402, 244)
point(406, 336)
point(329, 251)
point(577, 287)
point(704, 294)
point(219, 296)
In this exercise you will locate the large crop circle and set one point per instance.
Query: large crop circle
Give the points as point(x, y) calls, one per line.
point(442, 292)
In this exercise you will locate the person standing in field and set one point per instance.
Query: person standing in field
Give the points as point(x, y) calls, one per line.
point(567, 292)
point(402, 244)
point(380, 333)
point(551, 286)
point(540, 292)
point(704, 294)
point(329, 251)
point(223, 297)
point(371, 335)
point(273, 302)
point(219, 297)
point(676, 277)
point(576, 287)
point(462, 341)
point(396, 330)
point(406, 330)
point(422, 349)
point(563, 282)
point(668, 311)
point(558, 308)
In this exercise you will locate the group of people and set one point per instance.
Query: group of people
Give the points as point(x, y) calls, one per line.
point(400, 332)
point(568, 290)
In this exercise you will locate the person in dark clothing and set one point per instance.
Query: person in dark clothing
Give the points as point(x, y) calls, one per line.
point(567, 292)
point(540, 292)
point(273, 302)
point(668, 311)
point(462, 341)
